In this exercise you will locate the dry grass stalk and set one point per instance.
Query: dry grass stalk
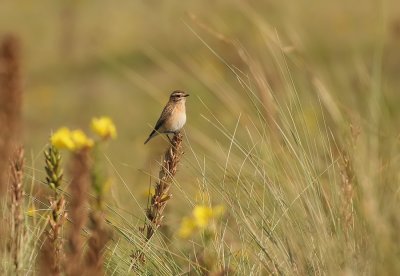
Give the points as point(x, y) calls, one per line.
point(17, 229)
point(52, 255)
point(159, 200)
point(10, 101)
point(264, 89)
point(79, 187)
point(347, 177)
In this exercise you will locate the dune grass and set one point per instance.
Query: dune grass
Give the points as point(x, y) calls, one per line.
point(292, 128)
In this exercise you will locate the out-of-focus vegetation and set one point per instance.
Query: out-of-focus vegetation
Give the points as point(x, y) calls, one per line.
point(293, 126)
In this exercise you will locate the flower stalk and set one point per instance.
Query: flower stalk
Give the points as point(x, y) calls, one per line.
point(158, 202)
point(53, 250)
point(79, 189)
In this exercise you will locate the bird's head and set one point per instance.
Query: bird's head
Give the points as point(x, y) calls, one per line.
point(178, 96)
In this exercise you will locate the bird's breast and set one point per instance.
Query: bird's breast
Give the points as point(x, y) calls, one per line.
point(177, 119)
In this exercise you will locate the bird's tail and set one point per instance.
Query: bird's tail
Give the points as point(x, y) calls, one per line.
point(152, 134)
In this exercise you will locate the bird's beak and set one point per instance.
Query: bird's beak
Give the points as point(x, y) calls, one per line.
point(186, 95)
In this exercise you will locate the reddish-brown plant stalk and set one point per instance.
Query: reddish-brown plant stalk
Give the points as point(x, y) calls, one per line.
point(78, 211)
point(10, 102)
point(158, 202)
point(10, 112)
point(100, 235)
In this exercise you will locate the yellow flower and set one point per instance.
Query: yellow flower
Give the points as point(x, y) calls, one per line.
point(200, 219)
point(80, 140)
point(104, 127)
point(188, 226)
point(62, 139)
point(202, 214)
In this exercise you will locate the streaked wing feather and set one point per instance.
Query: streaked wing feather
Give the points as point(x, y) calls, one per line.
point(164, 115)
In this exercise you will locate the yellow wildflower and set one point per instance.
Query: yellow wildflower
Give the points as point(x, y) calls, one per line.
point(80, 140)
point(62, 139)
point(188, 226)
point(200, 219)
point(203, 214)
point(104, 127)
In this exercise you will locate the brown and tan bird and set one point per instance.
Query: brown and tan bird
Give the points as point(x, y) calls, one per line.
point(173, 117)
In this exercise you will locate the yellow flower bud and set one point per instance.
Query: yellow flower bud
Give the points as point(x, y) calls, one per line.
point(202, 215)
point(81, 140)
point(62, 139)
point(104, 127)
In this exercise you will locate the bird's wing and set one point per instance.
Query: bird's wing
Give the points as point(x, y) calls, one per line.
point(164, 115)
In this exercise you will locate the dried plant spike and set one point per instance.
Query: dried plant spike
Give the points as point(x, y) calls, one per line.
point(154, 213)
point(52, 255)
point(167, 173)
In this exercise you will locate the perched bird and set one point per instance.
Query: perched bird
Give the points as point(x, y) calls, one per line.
point(173, 117)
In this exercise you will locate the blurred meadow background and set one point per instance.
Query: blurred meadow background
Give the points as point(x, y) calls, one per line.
point(292, 130)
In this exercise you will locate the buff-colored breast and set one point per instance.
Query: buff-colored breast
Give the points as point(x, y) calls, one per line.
point(177, 120)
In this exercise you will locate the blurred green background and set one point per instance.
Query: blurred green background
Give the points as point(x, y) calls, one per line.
point(339, 59)
point(123, 58)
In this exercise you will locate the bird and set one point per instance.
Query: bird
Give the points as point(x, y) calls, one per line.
point(173, 116)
